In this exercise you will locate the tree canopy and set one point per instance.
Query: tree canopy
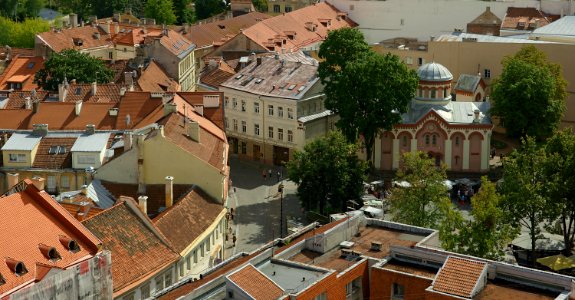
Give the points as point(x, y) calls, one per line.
point(529, 96)
point(21, 34)
point(487, 233)
point(260, 5)
point(161, 10)
point(184, 11)
point(20, 9)
point(368, 91)
point(426, 203)
point(72, 64)
point(207, 8)
point(328, 173)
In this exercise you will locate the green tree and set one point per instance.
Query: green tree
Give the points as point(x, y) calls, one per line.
point(21, 34)
point(161, 10)
point(529, 96)
point(367, 90)
point(487, 233)
point(328, 173)
point(260, 5)
point(524, 188)
point(72, 64)
point(184, 12)
point(426, 203)
point(560, 150)
point(207, 8)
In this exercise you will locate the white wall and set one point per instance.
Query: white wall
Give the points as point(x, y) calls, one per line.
point(380, 20)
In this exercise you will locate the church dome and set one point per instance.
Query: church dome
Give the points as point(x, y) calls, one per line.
point(434, 72)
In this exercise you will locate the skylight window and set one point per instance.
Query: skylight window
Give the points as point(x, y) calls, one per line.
point(57, 150)
point(78, 91)
point(31, 65)
point(239, 76)
point(301, 88)
point(259, 80)
point(291, 87)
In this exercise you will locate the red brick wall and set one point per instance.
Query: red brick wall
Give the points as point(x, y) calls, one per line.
point(383, 280)
point(335, 287)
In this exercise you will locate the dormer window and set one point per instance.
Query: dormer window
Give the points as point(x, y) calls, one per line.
point(70, 244)
point(78, 41)
point(16, 266)
point(2, 280)
point(49, 252)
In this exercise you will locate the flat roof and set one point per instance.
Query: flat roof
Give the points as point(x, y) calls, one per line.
point(22, 142)
point(500, 289)
point(411, 268)
point(291, 278)
point(91, 142)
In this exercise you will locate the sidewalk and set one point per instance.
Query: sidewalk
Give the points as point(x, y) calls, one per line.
point(231, 228)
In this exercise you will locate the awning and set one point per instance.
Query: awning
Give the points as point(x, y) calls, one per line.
point(557, 262)
point(18, 78)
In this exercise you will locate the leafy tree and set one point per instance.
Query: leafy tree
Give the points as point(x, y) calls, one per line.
point(260, 5)
point(487, 233)
point(529, 97)
point(72, 64)
point(20, 9)
point(161, 10)
point(21, 34)
point(426, 203)
point(184, 12)
point(328, 173)
point(560, 150)
point(367, 90)
point(207, 8)
point(524, 188)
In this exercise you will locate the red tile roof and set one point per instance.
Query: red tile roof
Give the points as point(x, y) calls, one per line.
point(135, 106)
point(17, 99)
point(30, 218)
point(256, 284)
point(174, 42)
point(212, 113)
point(155, 79)
point(459, 276)
point(82, 211)
point(138, 251)
point(64, 39)
point(271, 33)
point(188, 218)
point(21, 70)
point(217, 76)
point(526, 15)
point(205, 34)
point(45, 160)
point(105, 93)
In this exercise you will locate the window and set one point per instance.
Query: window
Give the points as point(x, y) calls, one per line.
point(404, 141)
point(17, 157)
point(189, 262)
point(270, 110)
point(427, 139)
point(111, 55)
point(290, 136)
point(145, 291)
point(271, 132)
point(65, 182)
point(433, 95)
point(445, 93)
point(409, 60)
point(160, 282)
point(280, 112)
point(234, 103)
point(168, 279)
point(434, 139)
point(457, 140)
point(244, 127)
point(397, 291)
point(226, 123)
point(420, 61)
point(130, 296)
point(420, 92)
point(244, 151)
point(86, 159)
point(226, 102)
point(181, 267)
point(202, 250)
point(288, 9)
point(280, 134)
point(51, 184)
point(257, 129)
point(210, 237)
point(276, 8)
point(235, 125)
point(243, 105)
point(322, 296)
point(487, 73)
point(195, 256)
point(290, 113)
point(256, 107)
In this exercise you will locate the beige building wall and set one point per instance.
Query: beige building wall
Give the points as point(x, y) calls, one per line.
point(477, 57)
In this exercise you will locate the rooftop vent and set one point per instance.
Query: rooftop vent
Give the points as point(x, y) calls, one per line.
point(49, 252)
point(346, 244)
point(2, 280)
point(16, 266)
point(375, 246)
point(69, 243)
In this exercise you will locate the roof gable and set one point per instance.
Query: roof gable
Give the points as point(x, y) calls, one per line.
point(79, 38)
point(21, 70)
point(255, 283)
point(460, 277)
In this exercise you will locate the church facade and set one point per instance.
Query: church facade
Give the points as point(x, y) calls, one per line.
point(456, 134)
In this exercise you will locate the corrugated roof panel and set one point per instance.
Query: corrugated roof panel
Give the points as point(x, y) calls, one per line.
point(22, 142)
point(91, 143)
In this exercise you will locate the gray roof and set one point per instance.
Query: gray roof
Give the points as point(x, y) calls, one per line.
point(479, 38)
point(96, 192)
point(22, 142)
point(453, 112)
point(434, 72)
point(289, 275)
point(563, 26)
point(91, 142)
point(467, 82)
point(288, 76)
point(320, 115)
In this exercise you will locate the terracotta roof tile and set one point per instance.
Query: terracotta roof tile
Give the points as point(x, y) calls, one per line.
point(137, 250)
point(526, 15)
point(17, 99)
point(256, 284)
point(105, 93)
point(175, 43)
point(64, 39)
point(205, 34)
point(459, 276)
point(217, 76)
point(214, 114)
point(136, 105)
point(487, 18)
point(21, 69)
point(188, 218)
point(30, 218)
point(58, 161)
point(82, 211)
point(155, 79)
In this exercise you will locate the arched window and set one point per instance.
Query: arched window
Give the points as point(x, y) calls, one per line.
point(445, 93)
point(433, 94)
point(457, 140)
point(427, 139)
point(404, 141)
point(434, 139)
point(420, 93)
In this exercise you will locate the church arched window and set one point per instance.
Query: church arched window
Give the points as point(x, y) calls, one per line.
point(433, 94)
point(434, 139)
point(427, 139)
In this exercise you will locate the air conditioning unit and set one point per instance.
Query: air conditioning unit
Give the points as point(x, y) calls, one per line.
point(346, 252)
point(375, 246)
point(346, 244)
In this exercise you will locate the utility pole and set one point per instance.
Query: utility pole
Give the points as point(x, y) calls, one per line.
point(281, 191)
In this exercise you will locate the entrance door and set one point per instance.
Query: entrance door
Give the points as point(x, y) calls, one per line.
point(257, 152)
point(281, 155)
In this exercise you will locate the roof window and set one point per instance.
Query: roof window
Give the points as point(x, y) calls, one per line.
point(16, 266)
point(78, 41)
point(259, 80)
point(57, 150)
point(239, 76)
point(78, 91)
point(291, 87)
point(49, 252)
point(69, 243)
point(222, 26)
point(301, 88)
point(2, 280)
point(31, 65)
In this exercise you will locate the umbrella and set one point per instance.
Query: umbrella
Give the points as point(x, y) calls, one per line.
point(544, 242)
point(557, 262)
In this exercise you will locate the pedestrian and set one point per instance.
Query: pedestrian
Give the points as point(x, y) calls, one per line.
point(234, 239)
point(264, 174)
point(270, 173)
point(227, 237)
point(279, 176)
point(232, 213)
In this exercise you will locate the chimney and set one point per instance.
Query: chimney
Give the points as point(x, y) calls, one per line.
point(128, 78)
point(476, 116)
point(194, 131)
point(39, 129)
point(116, 27)
point(170, 108)
point(127, 141)
point(259, 61)
point(105, 27)
point(13, 179)
point(38, 182)
point(169, 191)
point(73, 20)
point(123, 91)
point(85, 190)
point(113, 112)
point(78, 107)
point(28, 103)
point(143, 204)
point(117, 17)
point(62, 91)
point(90, 129)
point(94, 88)
point(488, 9)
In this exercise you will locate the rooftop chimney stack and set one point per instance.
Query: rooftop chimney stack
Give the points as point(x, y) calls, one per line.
point(13, 179)
point(28, 103)
point(90, 129)
point(38, 182)
point(170, 108)
point(194, 131)
point(78, 107)
point(127, 141)
point(143, 204)
point(85, 190)
point(169, 191)
point(94, 88)
point(73, 20)
point(476, 116)
point(39, 129)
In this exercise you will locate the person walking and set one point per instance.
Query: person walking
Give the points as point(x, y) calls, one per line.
point(270, 173)
point(264, 174)
point(234, 239)
point(279, 176)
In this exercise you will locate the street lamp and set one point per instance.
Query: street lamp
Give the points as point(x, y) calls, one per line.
point(281, 191)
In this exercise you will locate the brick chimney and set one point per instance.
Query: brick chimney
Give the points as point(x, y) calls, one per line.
point(13, 179)
point(39, 182)
point(193, 129)
point(78, 107)
point(94, 88)
point(143, 204)
point(127, 141)
point(169, 191)
point(90, 129)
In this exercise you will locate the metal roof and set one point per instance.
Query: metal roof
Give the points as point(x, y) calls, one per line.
point(320, 115)
point(22, 142)
point(91, 142)
point(467, 82)
point(98, 193)
point(563, 26)
point(478, 38)
point(453, 112)
point(434, 72)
